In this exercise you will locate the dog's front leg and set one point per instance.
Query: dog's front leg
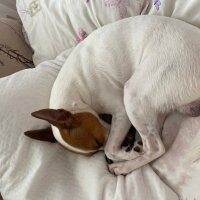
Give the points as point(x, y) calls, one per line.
point(119, 129)
point(125, 167)
point(148, 122)
point(152, 149)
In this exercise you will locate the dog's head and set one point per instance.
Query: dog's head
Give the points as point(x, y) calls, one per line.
point(81, 133)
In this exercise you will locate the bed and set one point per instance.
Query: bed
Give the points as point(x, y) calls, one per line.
point(33, 170)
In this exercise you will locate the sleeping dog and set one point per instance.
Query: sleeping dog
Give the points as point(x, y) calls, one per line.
point(138, 70)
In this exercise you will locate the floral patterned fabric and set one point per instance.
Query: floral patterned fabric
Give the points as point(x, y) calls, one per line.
point(53, 26)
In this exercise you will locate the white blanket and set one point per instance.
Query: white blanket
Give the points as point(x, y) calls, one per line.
point(34, 170)
point(31, 170)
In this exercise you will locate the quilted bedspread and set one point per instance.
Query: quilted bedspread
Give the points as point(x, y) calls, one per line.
point(34, 170)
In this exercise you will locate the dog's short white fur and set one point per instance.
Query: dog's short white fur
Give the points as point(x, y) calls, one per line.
point(138, 69)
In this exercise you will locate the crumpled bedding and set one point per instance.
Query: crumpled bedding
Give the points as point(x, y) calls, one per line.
point(68, 22)
point(174, 167)
point(34, 170)
point(37, 170)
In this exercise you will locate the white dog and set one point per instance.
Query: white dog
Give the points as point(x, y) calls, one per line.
point(138, 69)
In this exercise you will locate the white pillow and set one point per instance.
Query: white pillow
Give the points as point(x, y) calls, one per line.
point(186, 10)
point(52, 26)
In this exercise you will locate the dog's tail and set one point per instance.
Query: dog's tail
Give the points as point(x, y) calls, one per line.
point(193, 154)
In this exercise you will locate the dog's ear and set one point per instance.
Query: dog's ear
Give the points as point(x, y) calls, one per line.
point(59, 118)
point(41, 134)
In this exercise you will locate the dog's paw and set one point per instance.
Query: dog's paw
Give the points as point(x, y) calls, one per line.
point(118, 169)
point(125, 153)
point(111, 156)
point(138, 146)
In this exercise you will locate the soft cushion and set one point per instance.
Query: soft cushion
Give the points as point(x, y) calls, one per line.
point(53, 26)
point(15, 54)
point(187, 10)
point(8, 8)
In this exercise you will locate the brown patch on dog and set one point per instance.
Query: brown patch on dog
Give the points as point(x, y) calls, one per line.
point(80, 130)
point(85, 132)
point(45, 134)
